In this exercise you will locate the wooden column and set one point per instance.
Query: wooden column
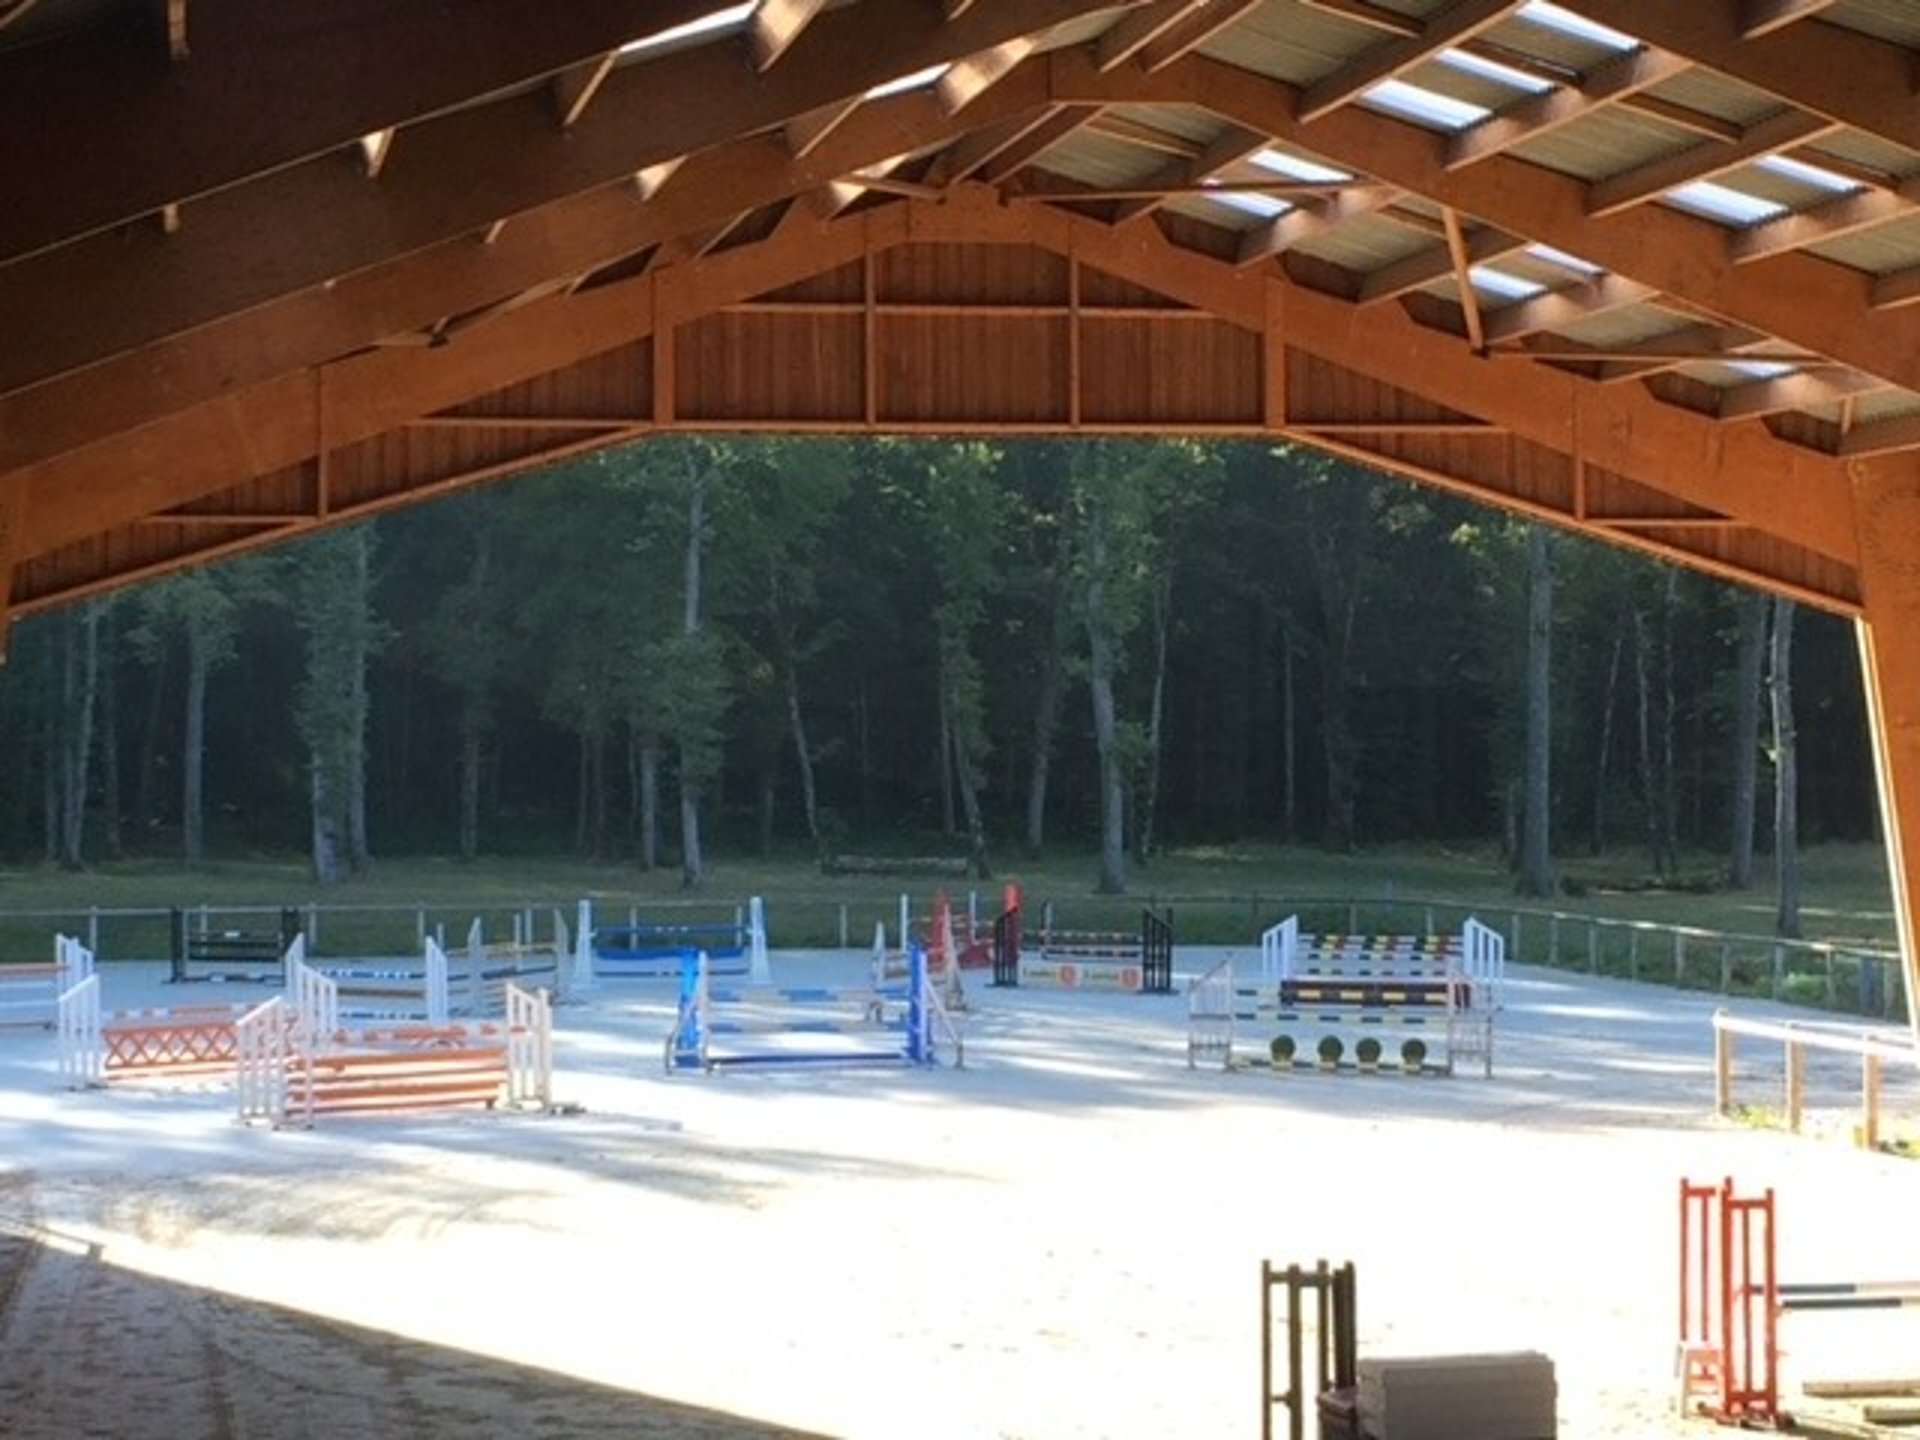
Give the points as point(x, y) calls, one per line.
point(1886, 496)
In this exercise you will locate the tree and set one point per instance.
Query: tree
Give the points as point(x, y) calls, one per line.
point(1786, 773)
point(332, 587)
point(1536, 853)
point(1750, 659)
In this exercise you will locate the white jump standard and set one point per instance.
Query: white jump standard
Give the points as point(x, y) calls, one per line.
point(1409, 1004)
point(723, 1027)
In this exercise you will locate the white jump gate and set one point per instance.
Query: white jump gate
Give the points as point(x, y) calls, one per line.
point(30, 992)
point(1348, 998)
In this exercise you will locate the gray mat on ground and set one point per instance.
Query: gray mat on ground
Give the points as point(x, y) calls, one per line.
point(1458, 1397)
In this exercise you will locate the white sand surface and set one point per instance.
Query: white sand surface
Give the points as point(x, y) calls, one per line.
point(1061, 1240)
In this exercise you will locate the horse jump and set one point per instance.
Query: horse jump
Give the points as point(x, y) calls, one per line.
point(1343, 995)
point(646, 950)
point(1138, 962)
point(30, 991)
point(1731, 1301)
point(721, 1027)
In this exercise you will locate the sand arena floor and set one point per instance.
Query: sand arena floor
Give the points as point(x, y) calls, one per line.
point(1062, 1240)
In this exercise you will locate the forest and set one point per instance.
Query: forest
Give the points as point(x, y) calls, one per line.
point(963, 649)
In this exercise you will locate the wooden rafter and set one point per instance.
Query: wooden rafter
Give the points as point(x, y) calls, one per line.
point(967, 80)
point(583, 234)
point(1763, 17)
point(960, 160)
point(173, 23)
point(1463, 279)
point(804, 133)
point(1022, 151)
point(574, 87)
point(1190, 32)
point(307, 226)
point(374, 150)
point(1459, 21)
point(1541, 114)
point(1304, 222)
point(1792, 392)
point(775, 25)
point(141, 139)
point(1843, 215)
point(1133, 32)
point(1845, 75)
point(1559, 308)
point(1703, 162)
point(1234, 144)
point(1424, 267)
point(1809, 303)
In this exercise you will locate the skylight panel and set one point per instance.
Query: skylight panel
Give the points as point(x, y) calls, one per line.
point(907, 82)
point(1567, 23)
point(1762, 369)
point(1814, 175)
point(1724, 203)
point(1426, 107)
point(1251, 202)
point(1294, 168)
point(1494, 70)
point(1564, 260)
point(1507, 287)
point(708, 24)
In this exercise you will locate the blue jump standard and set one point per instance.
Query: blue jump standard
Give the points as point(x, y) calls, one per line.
point(696, 1025)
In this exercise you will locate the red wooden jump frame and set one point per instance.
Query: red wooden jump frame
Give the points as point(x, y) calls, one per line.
point(1729, 1354)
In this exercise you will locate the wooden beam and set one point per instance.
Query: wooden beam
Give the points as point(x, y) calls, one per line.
point(1137, 29)
point(1233, 144)
point(1459, 21)
point(1374, 17)
point(1542, 114)
point(374, 149)
point(775, 25)
point(1810, 304)
point(1846, 75)
point(1886, 501)
point(1792, 392)
point(1763, 17)
point(582, 234)
point(311, 225)
point(1881, 437)
point(805, 133)
point(1061, 122)
point(1463, 279)
point(1703, 162)
point(972, 151)
point(173, 24)
point(1424, 267)
point(269, 88)
point(1193, 31)
point(574, 87)
point(1843, 215)
point(967, 80)
point(1559, 308)
point(1304, 222)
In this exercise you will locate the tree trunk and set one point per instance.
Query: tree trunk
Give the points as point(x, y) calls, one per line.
point(944, 756)
point(1156, 708)
point(110, 814)
point(193, 747)
point(1669, 767)
point(147, 762)
point(1649, 790)
point(359, 849)
point(1748, 668)
point(693, 867)
point(582, 788)
point(969, 785)
point(1786, 775)
point(1289, 738)
point(1106, 737)
point(649, 806)
point(79, 752)
point(472, 756)
point(1604, 761)
point(1536, 855)
point(1046, 719)
point(766, 810)
point(326, 833)
point(802, 750)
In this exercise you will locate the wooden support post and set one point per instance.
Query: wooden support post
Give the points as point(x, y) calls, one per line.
point(1886, 495)
point(1722, 1071)
point(1870, 1102)
point(1796, 1084)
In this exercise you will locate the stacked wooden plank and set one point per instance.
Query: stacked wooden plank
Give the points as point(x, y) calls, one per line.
point(1458, 1397)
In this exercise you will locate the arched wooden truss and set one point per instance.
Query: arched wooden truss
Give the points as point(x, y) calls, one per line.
point(1643, 269)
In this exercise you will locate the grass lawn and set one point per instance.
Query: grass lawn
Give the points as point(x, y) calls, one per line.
point(1220, 894)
